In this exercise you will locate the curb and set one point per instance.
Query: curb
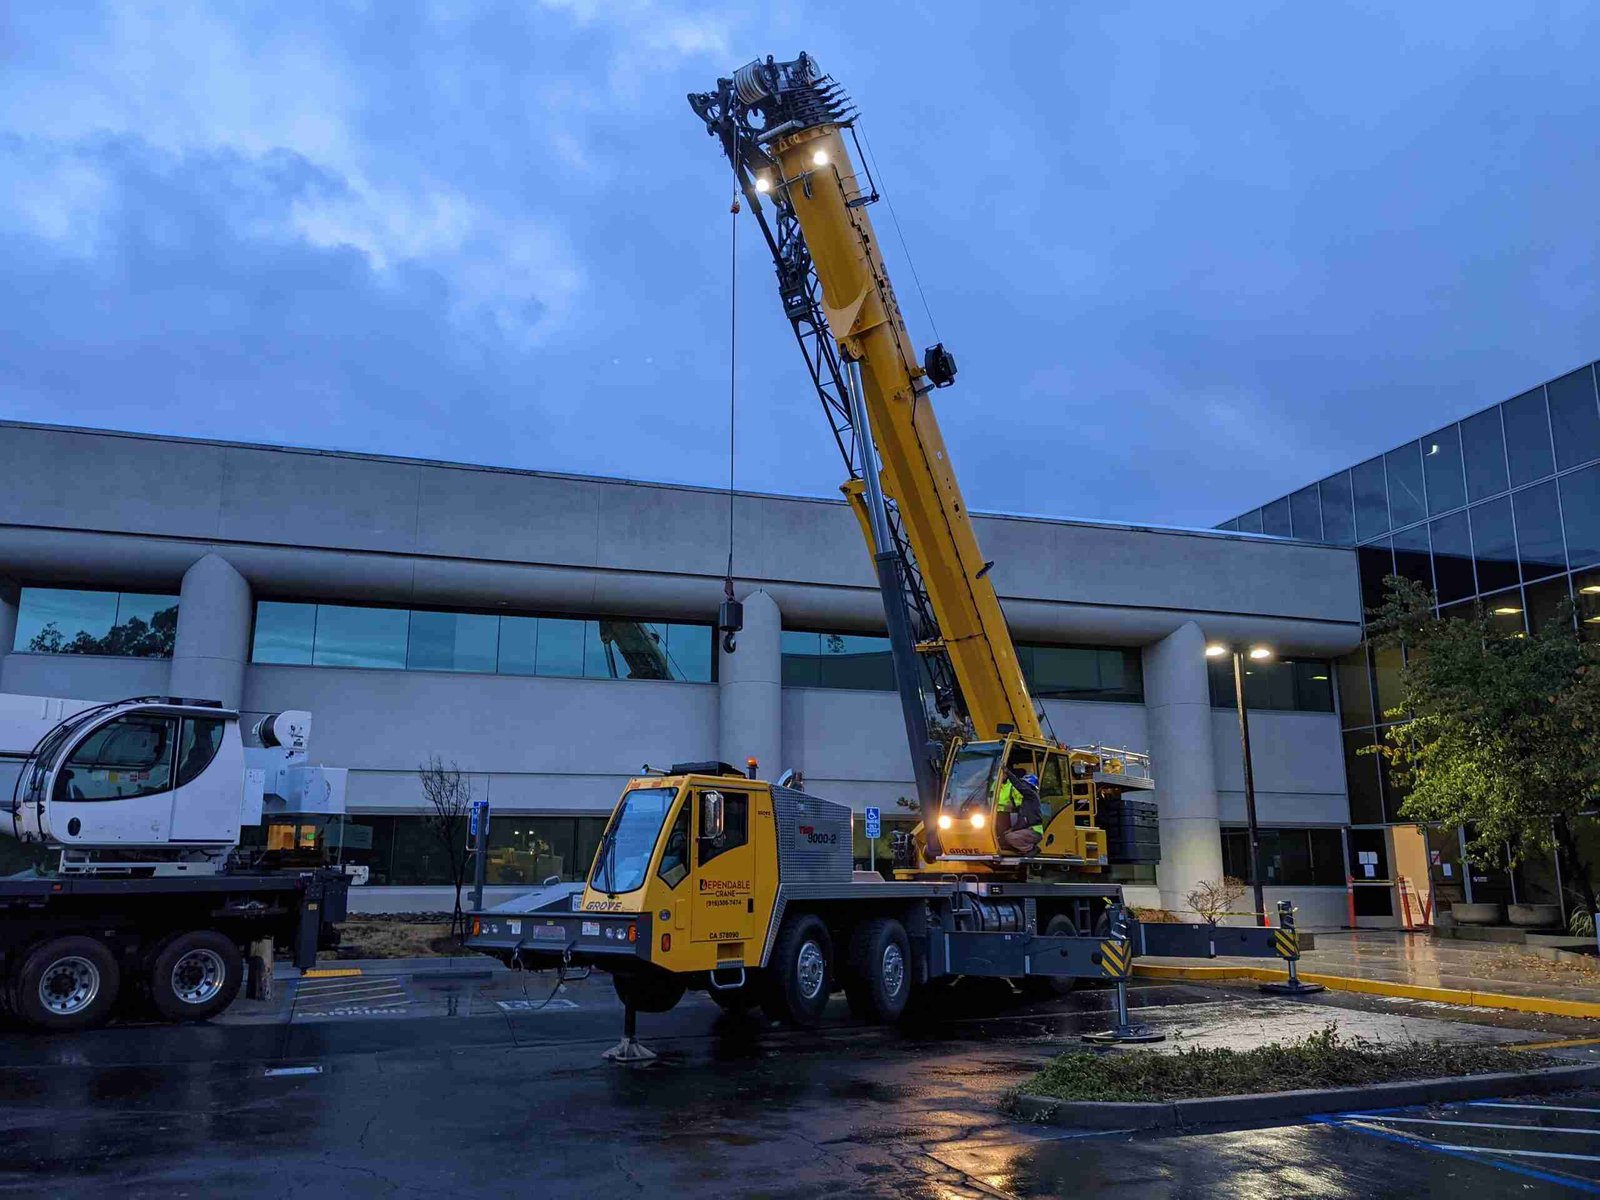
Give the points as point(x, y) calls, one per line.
point(1543, 1005)
point(1269, 1106)
point(454, 967)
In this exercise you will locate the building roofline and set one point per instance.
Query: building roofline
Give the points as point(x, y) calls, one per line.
point(449, 464)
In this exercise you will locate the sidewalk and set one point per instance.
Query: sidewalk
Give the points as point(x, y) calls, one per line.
point(1416, 966)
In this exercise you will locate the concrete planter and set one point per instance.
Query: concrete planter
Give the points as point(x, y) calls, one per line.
point(1477, 914)
point(1535, 916)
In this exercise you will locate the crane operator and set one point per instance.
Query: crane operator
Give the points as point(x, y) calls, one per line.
point(1018, 802)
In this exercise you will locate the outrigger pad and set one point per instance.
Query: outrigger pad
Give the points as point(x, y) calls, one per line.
point(630, 1052)
point(1125, 1034)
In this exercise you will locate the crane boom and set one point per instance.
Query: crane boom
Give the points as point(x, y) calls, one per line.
point(782, 125)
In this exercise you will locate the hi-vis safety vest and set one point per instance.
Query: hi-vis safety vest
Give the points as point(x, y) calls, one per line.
point(1014, 800)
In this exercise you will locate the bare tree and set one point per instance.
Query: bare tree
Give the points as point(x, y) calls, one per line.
point(449, 796)
point(1214, 899)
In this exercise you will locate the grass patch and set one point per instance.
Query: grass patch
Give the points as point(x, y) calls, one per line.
point(1325, 1059)
point(368, 938)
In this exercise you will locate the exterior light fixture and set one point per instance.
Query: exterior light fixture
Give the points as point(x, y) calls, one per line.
point(820, 158)
point(1216, 650)
point(944, 821)
point(762, 185)
point(1506, 610)
point(1260, 652)
point(1591, 620)
point(1323, 678)
point(1591, 589)
point(979, 820)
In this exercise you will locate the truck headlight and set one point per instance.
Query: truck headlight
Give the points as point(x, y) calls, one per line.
point(944, 821)
point(979, 820)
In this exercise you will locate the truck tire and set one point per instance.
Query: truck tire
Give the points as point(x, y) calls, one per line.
point(195, 975)
point(797, 977)
point(67, 984)
point(879, 978)
point(1045, 986)
point(655, 992)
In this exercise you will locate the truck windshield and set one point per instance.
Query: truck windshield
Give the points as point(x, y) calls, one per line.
point(971, 778)
point(624, 855)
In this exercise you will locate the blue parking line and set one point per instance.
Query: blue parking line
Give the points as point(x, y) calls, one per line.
point(1337, 1121)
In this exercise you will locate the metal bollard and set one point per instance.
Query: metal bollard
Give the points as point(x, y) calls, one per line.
point(1287, 943)
point(1116, 960)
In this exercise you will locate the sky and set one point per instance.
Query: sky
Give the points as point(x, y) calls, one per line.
point(1189, 257)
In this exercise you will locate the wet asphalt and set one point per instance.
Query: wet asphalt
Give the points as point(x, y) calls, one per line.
point(459, 1097)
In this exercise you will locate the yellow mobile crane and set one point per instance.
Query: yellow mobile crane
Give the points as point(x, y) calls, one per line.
point(783, 127)
point(708, 878)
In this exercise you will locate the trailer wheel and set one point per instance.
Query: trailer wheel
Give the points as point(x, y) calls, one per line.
point(1045, 986)
point(880, 970)
point(67, 984)
point(651, 993)
point(798, 975)
point(195, 975)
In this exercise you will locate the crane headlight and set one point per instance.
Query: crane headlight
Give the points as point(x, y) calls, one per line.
point(944, 821)
point(979, 820)
point(820, 158)
point(762, 185)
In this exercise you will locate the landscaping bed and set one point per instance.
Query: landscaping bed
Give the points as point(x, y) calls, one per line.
point(395, 935)
point(1322, 1060)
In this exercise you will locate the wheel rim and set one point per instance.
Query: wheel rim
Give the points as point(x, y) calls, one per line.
point(69, 985)
point(198, 976)
point(812, 968)
point(894, 969)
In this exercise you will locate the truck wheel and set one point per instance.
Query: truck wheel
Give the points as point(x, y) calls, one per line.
point(653, 993)
point(67, 984)
point(797, 976)
point(1045, 986)
point(880, 970)
point(195, 975)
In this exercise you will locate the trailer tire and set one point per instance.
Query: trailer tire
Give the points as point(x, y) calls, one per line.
point(657, 992)
point(67, 984)
point(1045, 986)
point(798, 975)
point(879, 977)
point(195, 975)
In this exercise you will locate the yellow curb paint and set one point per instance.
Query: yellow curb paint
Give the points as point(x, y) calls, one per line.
point(330, 972)
point(1544, 1005)
point(1564, 1045)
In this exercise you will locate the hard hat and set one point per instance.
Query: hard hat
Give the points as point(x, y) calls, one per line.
point(1031, 778)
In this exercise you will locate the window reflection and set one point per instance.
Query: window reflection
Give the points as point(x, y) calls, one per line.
point(1372, 506)
point(284, 633)
point(1580, 510)
point(70, 621)
point(1452, 557)
point(1275, 518)
point(1527, 437)
point(1305, 513)
point(1441, 466)
point(360, 637)
point(1540, 547)
point(1250, 522)
point(1574, 418)
point(1404, 469)
point(1338, 515)
point(442, 641)
point(1483, 450)
point(1284, 685)
point(1494, 545)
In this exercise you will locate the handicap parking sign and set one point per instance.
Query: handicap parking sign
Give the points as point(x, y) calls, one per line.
point(874, 823)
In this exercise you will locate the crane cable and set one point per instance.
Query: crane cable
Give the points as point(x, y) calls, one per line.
point(733, 382)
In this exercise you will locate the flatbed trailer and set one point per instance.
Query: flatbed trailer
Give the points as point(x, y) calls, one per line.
point(75, 950)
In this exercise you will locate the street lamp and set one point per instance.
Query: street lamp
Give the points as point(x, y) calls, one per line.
point(1256, 654)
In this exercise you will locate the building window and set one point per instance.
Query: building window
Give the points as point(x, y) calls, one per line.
point(1250, 522)
point(1441, 467)
point(1483, 449)
point(858, 662)
point(122, 624)
point(1338, 515)
point(1452, 558)
point(1580, 509)
point(1275, 518)
point(1289, 857)
point(1527, 437)
point(1540, 547)
point(1407, 504)
point(1575, 418)
point(1494, 545)
point(1306, 513)
point(1282, 685)
point(341, 635)
point(405, 849)
point(1372, 505)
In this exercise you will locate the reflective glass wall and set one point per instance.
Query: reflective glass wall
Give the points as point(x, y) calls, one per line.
point(70, 621)
point(1501, 508)
point(399, 639)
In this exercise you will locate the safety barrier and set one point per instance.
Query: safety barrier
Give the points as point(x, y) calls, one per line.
point(1116, 962)
point(1286, 943)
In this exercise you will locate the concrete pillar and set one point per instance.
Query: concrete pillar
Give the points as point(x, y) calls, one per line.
point(213, 638)
point(10, 597)
point(1178, 708)
point(750, 689)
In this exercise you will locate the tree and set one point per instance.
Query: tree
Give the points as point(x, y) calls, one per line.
point(1213, 899)
point(449, 797)
point(133, 638)
point(1500, 732)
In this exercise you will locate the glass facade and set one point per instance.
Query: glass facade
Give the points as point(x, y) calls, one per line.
point(1284, 685)
point(1289, 857)
point(1501, 508)
point(860, 662)
point(69, 621)
point(396, 639)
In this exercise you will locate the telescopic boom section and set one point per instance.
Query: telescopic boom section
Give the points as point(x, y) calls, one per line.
point(781, 124)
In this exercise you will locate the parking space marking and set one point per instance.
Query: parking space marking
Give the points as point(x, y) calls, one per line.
point(1535, 1107)
point(1469, 1124)
point(1467, 1153)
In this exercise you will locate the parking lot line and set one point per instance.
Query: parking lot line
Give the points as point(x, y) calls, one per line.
point(1535, 1107)
point(1467, 1154)
point(1468, 1124)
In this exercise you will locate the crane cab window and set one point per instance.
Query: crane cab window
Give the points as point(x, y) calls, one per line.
point(675, 854)
point(735, 827)
point(131, 756)
point(1053, 785)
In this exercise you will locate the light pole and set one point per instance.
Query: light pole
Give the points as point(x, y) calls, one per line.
point(1257, 654)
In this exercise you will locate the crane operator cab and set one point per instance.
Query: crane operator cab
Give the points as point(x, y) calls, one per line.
point(1013, 802)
